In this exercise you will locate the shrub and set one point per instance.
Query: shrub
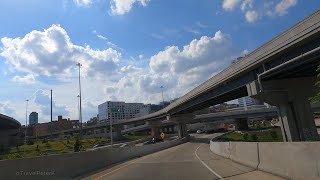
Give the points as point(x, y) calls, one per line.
point(77, 145)
point(245, 136)
point(254, 137)
point(273, 135)
point(30, 142)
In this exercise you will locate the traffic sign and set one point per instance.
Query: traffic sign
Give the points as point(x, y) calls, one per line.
point(115, 110)
point(162, 135)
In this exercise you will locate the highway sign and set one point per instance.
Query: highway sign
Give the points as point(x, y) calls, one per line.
point(162, 135)
point(115, 110)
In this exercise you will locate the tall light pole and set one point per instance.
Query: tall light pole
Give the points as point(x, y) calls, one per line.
point(25, 132)
point(51, 116)
point(80, 109)
point(78, 98)
point(162, 96)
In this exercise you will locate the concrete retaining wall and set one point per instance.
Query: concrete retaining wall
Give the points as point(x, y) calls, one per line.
point(71, 165)
point(297, 160)
point(221, 148)
point(245, 153)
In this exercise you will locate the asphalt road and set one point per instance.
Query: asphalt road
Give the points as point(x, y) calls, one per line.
point(187, 161)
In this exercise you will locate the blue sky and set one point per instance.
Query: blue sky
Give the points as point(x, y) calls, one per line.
point(128, 48)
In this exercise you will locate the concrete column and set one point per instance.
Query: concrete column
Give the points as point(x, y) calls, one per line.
point(182, 130)
point(155, 128)
point(291, 97)
point(182, 120)
point(241, 124)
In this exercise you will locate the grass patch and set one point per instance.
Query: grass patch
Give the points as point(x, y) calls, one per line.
point(270, 135)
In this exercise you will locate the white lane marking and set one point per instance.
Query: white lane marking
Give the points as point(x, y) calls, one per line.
point(216, 174)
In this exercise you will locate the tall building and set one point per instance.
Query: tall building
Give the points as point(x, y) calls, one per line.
point(248, 101)
point(33, 118)
point(121, 110)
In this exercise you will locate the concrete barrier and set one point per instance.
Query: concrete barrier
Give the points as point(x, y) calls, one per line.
point(296, 160)
point(72, 165)
point(221, 148)
point(245, 153)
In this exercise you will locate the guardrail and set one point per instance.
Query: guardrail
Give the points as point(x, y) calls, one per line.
point(294, 160)
point(72, 165)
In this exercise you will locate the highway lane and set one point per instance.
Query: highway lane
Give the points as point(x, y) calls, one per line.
point(187, 161)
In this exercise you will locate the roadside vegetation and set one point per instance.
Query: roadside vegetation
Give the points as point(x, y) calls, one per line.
point(43, 147)
point(258, 132)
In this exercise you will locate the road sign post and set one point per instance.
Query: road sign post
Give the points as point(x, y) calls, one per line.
point(162, 135)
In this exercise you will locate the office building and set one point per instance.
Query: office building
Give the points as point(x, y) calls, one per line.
point(33, 118)
point(248, 101)
point(121, 110)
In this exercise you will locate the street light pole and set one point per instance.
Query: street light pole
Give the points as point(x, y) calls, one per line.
point(162, 96)
point(78, 98)
point(25, 132)
point(80, 109)
point(111, 135)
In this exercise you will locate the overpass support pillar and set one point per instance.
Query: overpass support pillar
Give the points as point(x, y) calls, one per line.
point(241, 124)
point(182, 130)
point(291, 96)
point(155, 128)
point(182, 120)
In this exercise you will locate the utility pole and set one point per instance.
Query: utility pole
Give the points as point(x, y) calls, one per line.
point(25, 132)
point(51, 116)
point(80, 109)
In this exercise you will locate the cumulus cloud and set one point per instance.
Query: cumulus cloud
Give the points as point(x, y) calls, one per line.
point(51, 53)
point(6, 108)
point(252, 11)
point(178, 70)
point(121, 7)
point(28, 79)
point(83, 2)
point(229, 5)
point(251, 16)
point(43, 100)
point(246, 4)
point(283, 6)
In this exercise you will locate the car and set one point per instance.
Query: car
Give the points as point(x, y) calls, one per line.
point(199, 131)
point(98, 145)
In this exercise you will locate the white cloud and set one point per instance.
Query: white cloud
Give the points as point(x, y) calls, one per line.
point(6, 108)
point(28, 79)
point(283, 6)
point(229, 5)
point(251, 16)
point(254, 11)
point(246, 4)
point(121, 7)
point(42, 99)
point(83, 2)
point(177, 70)
point(51, 53)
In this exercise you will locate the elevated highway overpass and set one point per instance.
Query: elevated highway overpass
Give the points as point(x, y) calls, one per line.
point(9, 130)
point(281, 72)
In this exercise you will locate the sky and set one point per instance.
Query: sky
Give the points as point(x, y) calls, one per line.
point(127, 48)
